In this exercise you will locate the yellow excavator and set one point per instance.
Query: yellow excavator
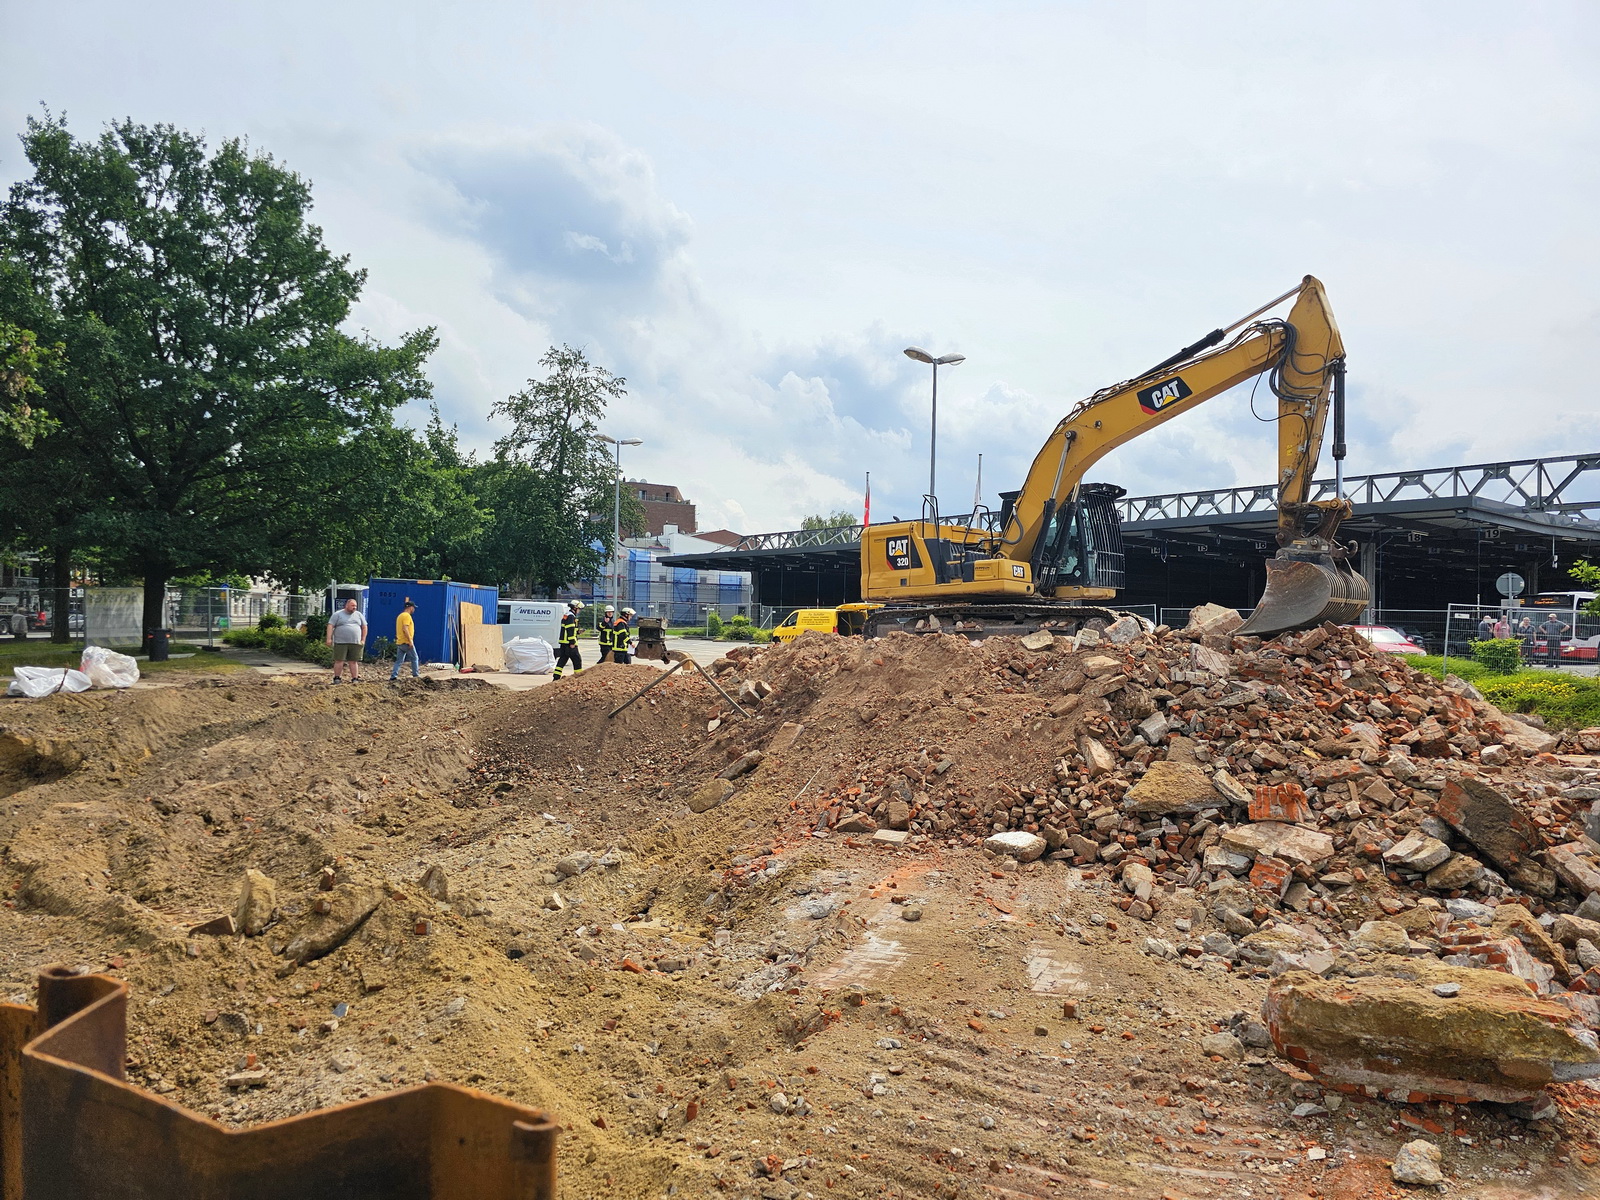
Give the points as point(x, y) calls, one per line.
point(1055, 547)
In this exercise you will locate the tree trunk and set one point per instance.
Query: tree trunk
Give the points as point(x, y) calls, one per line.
point(155, 596)
point(60, 593)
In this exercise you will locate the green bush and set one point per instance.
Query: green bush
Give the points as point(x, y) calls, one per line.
point(1500, 656)
point(290, 643)
point(714, 624)
point(1564, 701)
point(316, 627)
point(270, 620)
point(1433, 664)
point(739, 629)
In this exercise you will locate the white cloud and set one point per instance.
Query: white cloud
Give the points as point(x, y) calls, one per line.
point(749, 212)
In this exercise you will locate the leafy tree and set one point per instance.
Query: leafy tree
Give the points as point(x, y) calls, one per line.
point(204, 377)
point(46, 503)
point(22, 361)
point(551, 486)
point(833, 521)
point(1588, 574)
point(381, 502)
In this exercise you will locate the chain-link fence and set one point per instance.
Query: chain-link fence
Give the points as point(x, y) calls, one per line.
point(114, 616)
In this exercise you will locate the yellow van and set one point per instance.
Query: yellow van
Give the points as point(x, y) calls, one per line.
point(847, 619)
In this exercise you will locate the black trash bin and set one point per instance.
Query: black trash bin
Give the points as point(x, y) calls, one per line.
point(157, 644)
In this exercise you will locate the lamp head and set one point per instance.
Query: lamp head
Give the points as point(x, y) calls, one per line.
point(918, 353)
point(949, 360)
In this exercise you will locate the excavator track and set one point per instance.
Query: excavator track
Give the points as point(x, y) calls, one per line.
point(976, 621)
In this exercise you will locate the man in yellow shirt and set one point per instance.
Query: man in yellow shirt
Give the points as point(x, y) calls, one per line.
point(405, 642)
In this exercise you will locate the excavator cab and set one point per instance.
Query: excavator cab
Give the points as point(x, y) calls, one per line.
point(1081, 546)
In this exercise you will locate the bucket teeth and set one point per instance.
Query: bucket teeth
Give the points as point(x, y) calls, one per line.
point(1304, 590)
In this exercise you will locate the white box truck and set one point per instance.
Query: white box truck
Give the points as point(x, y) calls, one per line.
point(531, 618)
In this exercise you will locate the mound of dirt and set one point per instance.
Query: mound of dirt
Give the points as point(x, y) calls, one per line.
point(821, 983)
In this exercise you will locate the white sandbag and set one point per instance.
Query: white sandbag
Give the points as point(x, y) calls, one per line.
point(34, 682)
point(530, 656)
point(107, 668)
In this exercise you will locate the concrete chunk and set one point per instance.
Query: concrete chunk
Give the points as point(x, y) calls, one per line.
point(1280, 841)
point(1212, 618)
point(1230, 789)
point(257, 903)
point(1570, 930)
point(1203, 658)
point(1417, 852)
point(1170, 787)
point(1458, 871)
point(710, 794)
point(1576, 868)
point(1522, 736)
point(1123, 630)
point(1488, 820)
point(1493, 1040)
point(1024, 847)
point(1418, 1163)
point(347, 905)
point(1099, 760)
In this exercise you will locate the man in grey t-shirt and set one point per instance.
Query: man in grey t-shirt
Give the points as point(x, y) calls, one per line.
point(347, 634)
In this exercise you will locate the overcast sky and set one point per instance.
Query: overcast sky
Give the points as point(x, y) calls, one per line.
point(750, 209)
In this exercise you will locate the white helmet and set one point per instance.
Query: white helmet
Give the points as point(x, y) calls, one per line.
point(627, 612)
point(611, 608)
point(575, 605)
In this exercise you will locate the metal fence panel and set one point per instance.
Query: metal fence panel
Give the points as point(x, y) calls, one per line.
point(113, 616)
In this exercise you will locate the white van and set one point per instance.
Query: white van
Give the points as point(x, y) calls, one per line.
point(531, 618)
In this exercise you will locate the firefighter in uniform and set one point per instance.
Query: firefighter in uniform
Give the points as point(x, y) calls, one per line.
point(607, 624)
point(567, 640)
point(620, 649)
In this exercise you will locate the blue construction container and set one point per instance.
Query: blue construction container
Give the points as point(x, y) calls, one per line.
point(438, 606)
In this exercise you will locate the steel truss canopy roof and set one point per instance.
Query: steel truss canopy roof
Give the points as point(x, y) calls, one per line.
point(1527, 500)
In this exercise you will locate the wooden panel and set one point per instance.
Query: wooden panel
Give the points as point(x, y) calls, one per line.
point(480, 643)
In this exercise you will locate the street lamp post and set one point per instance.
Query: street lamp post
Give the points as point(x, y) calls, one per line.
point(944, 360)
point(616, 516)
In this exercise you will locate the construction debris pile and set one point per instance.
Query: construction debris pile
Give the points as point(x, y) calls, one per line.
point(913, 915)
point(1345, 816)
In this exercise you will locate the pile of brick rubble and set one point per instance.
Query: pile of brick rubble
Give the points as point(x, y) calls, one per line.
point(1347, 818)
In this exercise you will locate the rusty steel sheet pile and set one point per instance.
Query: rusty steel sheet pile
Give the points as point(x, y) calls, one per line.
point(70, 1125)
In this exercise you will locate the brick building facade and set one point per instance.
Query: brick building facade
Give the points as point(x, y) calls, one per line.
point(663, 505)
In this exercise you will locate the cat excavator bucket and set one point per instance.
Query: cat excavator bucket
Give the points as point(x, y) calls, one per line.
point(1307, 584)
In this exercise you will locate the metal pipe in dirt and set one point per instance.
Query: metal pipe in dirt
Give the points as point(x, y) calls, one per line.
point(644, 689)
point(718, 686)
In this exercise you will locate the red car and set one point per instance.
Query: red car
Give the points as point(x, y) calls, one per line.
point(1391, 641)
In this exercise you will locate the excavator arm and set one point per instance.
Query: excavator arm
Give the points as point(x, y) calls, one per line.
point(1300, 353)
point(1310, 579)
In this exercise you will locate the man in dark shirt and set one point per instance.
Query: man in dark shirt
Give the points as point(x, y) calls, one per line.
point(1551, 629)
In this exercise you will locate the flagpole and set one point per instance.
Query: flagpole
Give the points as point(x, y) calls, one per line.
point(977, 488)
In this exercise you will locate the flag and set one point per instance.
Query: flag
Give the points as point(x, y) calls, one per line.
point(866, 509)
